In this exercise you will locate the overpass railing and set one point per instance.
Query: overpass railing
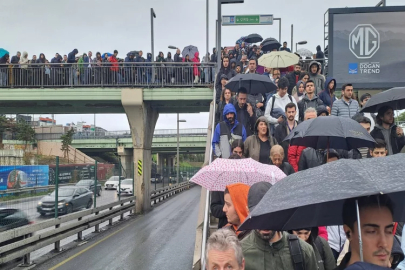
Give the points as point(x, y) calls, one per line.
point(107, 74)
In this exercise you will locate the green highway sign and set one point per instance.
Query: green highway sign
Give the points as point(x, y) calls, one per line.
point(247, 20)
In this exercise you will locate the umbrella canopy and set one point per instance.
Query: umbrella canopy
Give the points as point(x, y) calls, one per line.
point(315, 197)
point(190, 50)
point(254, 83)
point(394, 97)
point(270, 44)
point(242, 39)
point(223, 172)
point(330, 132)
point(3, 52)
point(305, 52)
point(135, 53)
point(280, 59)
point(253, 38)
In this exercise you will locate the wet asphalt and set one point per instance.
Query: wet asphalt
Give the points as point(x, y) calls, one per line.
point(161, 239)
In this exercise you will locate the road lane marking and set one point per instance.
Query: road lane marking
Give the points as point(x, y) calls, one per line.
point(86, 249)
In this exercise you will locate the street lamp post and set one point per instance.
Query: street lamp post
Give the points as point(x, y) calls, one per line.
point(220, 2)
point(178, 147)
point(152, 15)
point(300, 43)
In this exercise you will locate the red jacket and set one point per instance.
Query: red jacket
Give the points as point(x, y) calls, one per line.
point(323, 232)
point(294, 153)
point(114, 63)
point(196, 60)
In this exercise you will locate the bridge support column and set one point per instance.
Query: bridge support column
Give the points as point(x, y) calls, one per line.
point(127, 159)
point(159, 163)
point(142, 120)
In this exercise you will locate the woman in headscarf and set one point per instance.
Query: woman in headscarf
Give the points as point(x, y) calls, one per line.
point(298, 95)
point(24, 68)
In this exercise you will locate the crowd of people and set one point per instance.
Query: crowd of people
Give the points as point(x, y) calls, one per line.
point(134, 69)
point(255, 126)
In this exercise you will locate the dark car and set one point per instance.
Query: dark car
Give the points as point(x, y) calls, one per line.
point(89, 184)
point(11, 218)
point(69, 199)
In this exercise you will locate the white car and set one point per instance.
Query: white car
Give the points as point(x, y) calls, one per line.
point(126, 187)
point(112, 182)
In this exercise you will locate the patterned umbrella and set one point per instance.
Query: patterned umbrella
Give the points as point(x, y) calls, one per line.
point(242, 39)
point(223, 172)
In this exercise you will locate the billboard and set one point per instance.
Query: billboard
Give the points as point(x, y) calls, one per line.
point(14, 177)
point(71, 173)
point(367, 46)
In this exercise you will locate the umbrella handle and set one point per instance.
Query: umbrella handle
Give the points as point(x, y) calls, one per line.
point(359, 230)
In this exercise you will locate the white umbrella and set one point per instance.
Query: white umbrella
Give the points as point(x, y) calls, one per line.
point(281, 59)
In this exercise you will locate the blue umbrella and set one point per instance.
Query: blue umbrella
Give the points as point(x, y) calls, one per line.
point(109, 54)
point(242, 39)
point(190, 50)
point(3, 52)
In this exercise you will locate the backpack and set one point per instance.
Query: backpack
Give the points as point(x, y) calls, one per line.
point(272, 127)
point(319, 247)
point(296, 252)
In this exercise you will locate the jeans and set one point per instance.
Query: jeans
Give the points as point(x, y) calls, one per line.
point(3, 78)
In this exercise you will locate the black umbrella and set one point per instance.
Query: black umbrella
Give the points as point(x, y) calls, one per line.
point(135, 53)
point(315, 197)
point(254, 83)
point(253, 38)
point(394, 97)
point(270, 44)
point(330, 132)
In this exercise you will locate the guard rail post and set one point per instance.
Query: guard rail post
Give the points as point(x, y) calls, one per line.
point(95, 184)
point(57, 243)
point(79, 234)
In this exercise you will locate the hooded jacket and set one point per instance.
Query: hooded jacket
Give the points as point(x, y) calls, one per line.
point(239, 195)
point(345, 109)
point(72, 56)
point(319, 80)
point(394, 143)
point(260, 255)
point(245, 119)
point(214, 56)
point(3, 59)
point(319, 54)
point(252, 143)
point(225, 134)
point(296, 93)
point(24, 60)
point(306, 103)
point(230, 73)
point(196, 61)
point(327, 96)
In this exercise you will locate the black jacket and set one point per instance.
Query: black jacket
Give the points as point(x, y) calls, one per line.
point(397, 143)
point(177, 58)
point(305, 103)
point(14, 60)
point(230, 73)
point(280, 133)
point(310, 158)
point(217, 204)
point(292, 80)
point(286, 168)
point(72, 56)
point(245, 119)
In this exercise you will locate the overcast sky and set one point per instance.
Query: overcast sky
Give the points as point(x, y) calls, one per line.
point(49, 26)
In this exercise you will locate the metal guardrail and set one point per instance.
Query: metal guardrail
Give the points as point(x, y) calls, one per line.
point(35, 236)
point(29, 189)
point(106, 74)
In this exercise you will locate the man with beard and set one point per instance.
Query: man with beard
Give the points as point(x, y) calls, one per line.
point(265, 249)
point(245, 113)
point(346, 106)
point(386, 130)
point(286, 127)
point(293, 77)
point(226, 132)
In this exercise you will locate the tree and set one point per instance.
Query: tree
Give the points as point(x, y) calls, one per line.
point(66, 142)
point(6, 124)
point(401, 117)
point(25, 133)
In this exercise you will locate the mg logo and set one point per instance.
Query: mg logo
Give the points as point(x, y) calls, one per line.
point(364, 41)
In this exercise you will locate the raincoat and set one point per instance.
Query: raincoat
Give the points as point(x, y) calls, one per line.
point(196, 60)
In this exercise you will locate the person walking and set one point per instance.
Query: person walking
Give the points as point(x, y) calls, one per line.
point(346, 106)
point(318, 79)
point(310, 100)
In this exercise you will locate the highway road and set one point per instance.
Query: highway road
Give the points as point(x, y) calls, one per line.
point(161, 239)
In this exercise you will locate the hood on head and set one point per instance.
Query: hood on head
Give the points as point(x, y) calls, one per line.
point(327, 82)
point(196, 54)
point(256, 193)
point(24, 54)
point(318, 48)
point(233, 60)
point(262, 119)
point(314, 63)
point(321, 109)
point(213, 50)
point(239, 195)
point(149, 56)
point(75, 51)
point(169, 55)
point(229, 108)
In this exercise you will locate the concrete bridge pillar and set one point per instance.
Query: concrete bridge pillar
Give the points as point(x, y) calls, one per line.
point(142, 120)
point(127, 159)
point(159, 163)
